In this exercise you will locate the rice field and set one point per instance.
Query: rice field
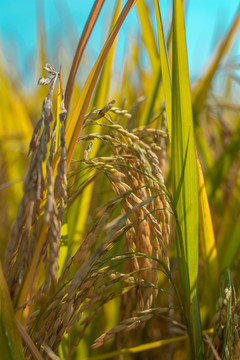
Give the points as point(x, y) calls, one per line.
point(120, 202)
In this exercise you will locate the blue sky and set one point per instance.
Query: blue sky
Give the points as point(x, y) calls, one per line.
point(206, 21)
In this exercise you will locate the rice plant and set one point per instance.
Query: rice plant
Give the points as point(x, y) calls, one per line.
point(124, 241)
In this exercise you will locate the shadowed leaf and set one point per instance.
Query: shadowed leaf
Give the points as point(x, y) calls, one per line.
point(10, 343)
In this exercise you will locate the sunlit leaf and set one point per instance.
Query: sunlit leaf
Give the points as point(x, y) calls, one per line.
point(184, 164)
point(184, 175)
point(148, 33)
point(81, 46)
point(207, 238)
point(76, 121)
point(165, 69)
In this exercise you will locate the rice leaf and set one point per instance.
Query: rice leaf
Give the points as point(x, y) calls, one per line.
point(153, 95)
point(166, 77)
point(139, 348)
point(207, 239)
point(81, 108)
point(79, 211)
point(102, 88)
point(147, 33)
point(184, 165)
point(77, 217)
point(184, 175)
point(226, 292)
point(28, 341)
point(33, 269)
point(203, 147)
point(10, 343)
point(81, 47)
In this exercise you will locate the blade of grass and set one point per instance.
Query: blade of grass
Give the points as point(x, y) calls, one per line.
point(81, 47)
point(11, 347)
point(31, 275)
point(147, 33)
point(78, 213)
point(154, 93)
point(226, 292)
point(184, 174)
point(207, 239)
point(77, 217)
point(183, 151)
point(144, 347)
point(26, 338)
point(166, 77)
point(139, 348)
point(81, 108)
point(102, 88)
point(196, 327)
point(203, 146)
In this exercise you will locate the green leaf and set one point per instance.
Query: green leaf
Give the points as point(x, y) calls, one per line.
point(147, 33)
point(226, 293)
point(184, 166)
point(184, 176)
point(28, 341)
point(10, 343)
point(77, 214)
point(81, 47)
point(153, 94)
point(75, 123)
point(196, 328)
point(102, 88)
point(207, 238)
point(166, 77)
point(139, 348)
